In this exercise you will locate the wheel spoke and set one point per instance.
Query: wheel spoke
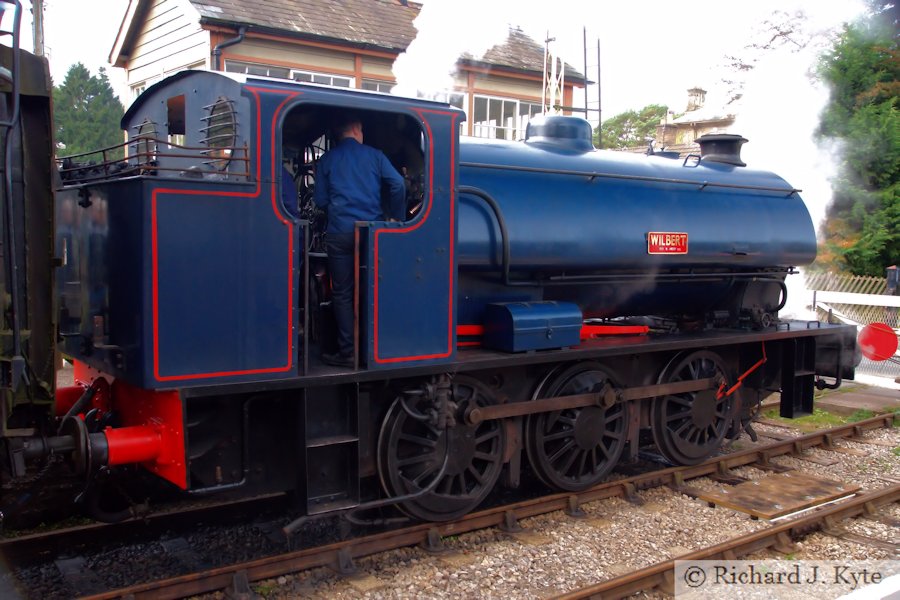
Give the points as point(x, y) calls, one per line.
point(463, 488)
point(683, 401)
point(567, 420)
point(605, 451)
point(474, 472)
point(613, 435)
point(693, 371)
point(418, 478)
point(554, 439)
point(680, 436)
point(418, 440)
point(411, 453)
point(550, 420)
point(485, 456)
point(569, 461)
point(558, 435)
point(678, 432)
point(489, 435)
point(678, 415)
point(556, 455)
point(414, 460)
point(582, 463)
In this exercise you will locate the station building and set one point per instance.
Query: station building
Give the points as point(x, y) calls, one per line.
point(342, 43)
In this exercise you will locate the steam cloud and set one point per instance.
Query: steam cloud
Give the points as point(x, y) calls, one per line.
point(446, 31)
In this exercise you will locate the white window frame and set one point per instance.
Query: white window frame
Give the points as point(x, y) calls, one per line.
point(380, 85)
point(259, 66)
point(492, 128)
point(323, 78)
point(450, 97)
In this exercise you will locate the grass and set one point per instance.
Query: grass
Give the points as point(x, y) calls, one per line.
point(265, 589)
point(820, 419)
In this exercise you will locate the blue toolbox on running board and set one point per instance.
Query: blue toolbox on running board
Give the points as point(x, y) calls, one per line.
point(521, 326)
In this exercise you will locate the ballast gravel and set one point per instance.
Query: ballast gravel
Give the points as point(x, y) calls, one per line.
point(557, 553)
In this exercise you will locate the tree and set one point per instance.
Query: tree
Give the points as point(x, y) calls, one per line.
point(631, 128)
point(86, 113)
point(863, 69)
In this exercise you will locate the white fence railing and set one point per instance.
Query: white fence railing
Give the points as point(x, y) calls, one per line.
point(860, 310)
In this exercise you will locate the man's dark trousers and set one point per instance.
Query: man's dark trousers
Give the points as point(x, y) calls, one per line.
point(340, 263)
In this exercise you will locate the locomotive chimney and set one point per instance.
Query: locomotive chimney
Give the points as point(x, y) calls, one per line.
point(722, 148)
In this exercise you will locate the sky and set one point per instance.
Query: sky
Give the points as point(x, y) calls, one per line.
point(651, 52)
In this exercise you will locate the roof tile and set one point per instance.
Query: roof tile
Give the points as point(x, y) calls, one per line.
point(385, 24)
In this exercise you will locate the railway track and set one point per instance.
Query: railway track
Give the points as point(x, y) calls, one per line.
point(778, 537)
point(25, 549)
point(341, 556)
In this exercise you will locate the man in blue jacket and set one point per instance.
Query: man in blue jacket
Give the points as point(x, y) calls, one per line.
point(349, 180)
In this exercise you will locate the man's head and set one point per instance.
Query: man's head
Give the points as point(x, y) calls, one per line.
point(350, 126)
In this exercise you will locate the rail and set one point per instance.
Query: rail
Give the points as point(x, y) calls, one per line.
point(660, 575)
point(340, 555)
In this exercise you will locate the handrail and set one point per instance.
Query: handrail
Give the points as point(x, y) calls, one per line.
point(145, 161)
point(789, 191)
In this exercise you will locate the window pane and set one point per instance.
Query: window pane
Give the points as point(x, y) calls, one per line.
point(279, 72)
point(235, 67)
point(509, 119)
point(480, 109)
point(494, 110)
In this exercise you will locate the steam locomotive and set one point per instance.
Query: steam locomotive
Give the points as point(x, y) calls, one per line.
point(546, 311)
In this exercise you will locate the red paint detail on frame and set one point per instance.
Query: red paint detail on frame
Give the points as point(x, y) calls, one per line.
point(452, 186)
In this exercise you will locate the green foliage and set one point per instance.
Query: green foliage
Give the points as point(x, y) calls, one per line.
point(631, 128)
point(86, 113)
point(819, 419)
point(860, 415)
point(863, 69)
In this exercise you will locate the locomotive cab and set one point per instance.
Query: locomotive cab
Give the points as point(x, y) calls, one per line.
point(232, 282)
point(307, 135)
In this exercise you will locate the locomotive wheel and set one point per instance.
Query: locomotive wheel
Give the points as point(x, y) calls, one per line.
point(411, 453)
point(575, 448)
point(689, 427)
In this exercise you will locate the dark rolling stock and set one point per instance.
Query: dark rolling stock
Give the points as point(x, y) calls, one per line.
point(545, 308)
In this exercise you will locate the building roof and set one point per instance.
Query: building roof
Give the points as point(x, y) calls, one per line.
point(376, 24)
point(520, 52)
point(704, 114)
point(381, 23)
